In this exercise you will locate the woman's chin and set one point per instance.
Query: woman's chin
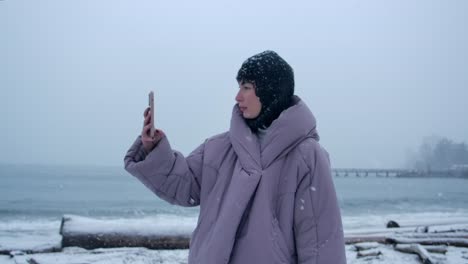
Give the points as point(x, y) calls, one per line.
point(248, 116)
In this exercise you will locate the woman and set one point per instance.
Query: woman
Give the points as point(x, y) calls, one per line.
point(264, 187)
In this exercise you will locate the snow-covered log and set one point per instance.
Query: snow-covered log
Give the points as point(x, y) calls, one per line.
point(436, 249)
point(361, 239)
point(33, 250)
point(448, 228)
point(417, 249)
point(369, 253)
point(89, 233)
point(457, 242)
point(366, 246)
point(438, 235)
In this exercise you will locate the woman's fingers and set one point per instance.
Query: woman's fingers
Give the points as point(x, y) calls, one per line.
point(146, 111)
point(159, 134)
point(146, 133)
point(147, 119)
point(147, 139)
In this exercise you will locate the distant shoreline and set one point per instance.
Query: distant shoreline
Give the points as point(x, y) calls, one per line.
point(433, 175)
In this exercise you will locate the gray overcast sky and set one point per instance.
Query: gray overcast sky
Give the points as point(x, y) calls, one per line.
point(378, 75)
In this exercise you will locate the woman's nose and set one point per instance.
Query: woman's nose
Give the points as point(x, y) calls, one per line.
point(239, 96)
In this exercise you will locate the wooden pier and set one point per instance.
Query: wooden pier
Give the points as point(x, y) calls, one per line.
point(345, 172)
point(355, 172)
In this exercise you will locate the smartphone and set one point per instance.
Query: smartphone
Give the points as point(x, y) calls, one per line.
point(151, 105)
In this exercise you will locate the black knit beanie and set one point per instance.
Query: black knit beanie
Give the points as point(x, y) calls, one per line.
point(274, 85)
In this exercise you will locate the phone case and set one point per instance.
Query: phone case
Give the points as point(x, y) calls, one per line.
point(151, 105)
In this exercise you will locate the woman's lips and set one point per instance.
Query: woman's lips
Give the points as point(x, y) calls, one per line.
point(242, 108)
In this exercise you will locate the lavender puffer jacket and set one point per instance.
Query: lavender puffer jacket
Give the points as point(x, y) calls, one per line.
point(268, 202)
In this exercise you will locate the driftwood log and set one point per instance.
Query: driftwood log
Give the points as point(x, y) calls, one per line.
point(457, 242)
point(436, 249)
point(369, 253)
point(92, 241)
point(463, 235)
point(13, 252)
point(32, 261)
point(417, 249)
point(368, 238)
point(91, 233)
point(366, 246)
point(84, 232)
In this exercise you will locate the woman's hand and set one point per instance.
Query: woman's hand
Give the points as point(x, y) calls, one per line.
point(149, 141)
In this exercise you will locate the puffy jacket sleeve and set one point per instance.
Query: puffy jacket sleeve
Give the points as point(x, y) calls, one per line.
point(318, 228)
point(166, 172)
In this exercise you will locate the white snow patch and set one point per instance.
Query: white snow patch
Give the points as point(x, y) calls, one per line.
point(158, 225)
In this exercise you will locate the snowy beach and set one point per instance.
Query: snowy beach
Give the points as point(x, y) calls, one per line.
point(140, 255)
point(26, 243)
point(33, 201)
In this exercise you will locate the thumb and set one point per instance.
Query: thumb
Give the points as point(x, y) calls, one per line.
point(158, 134)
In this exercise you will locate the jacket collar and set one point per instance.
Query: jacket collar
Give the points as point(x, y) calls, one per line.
point(293, 126)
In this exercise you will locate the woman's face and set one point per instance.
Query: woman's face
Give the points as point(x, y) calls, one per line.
point(247, 100)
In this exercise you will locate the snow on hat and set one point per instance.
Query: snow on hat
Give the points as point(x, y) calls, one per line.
point(274, 85)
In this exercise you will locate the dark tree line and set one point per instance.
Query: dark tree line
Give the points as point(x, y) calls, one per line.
point(440, 154)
